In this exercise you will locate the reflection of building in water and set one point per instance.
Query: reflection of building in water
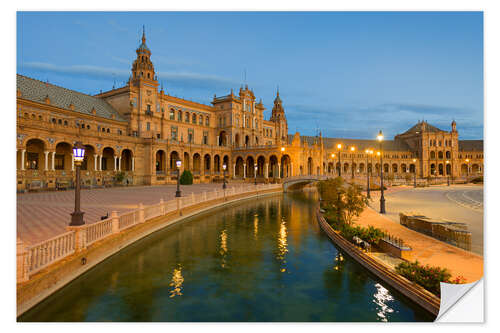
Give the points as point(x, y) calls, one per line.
point(282, 244)
point(177, 280)
point(223, 247)
point(381, 298)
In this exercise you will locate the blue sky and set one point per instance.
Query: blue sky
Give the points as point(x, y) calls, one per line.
point(347, 74)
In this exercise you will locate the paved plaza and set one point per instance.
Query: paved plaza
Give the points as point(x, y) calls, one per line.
point(458, 203)
point(46, 214)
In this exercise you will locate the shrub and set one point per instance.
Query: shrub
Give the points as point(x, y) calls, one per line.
point(477, 180)
point(186, 178)
point(426, 276)
point(119, 177)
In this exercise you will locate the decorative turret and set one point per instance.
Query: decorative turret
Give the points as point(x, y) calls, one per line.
point(278, 117)
point(142, 66)
point(453, 126)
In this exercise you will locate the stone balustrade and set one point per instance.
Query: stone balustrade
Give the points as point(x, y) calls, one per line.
point(32, 259)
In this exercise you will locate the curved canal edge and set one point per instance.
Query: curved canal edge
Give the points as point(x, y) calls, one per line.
point(54, 277)
point(414, 292)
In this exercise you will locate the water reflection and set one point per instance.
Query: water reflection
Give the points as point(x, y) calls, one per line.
point(177, 281)
point(255, 226)
point(223, 247)
point(381, 298)
point(282, 244)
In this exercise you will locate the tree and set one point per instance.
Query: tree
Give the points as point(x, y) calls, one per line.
point(186, 178)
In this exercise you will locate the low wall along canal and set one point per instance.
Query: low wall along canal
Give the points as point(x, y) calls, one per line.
point(263, 259)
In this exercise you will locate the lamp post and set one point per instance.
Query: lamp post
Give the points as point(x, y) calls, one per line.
point(380, 138)
point(339, 146)
point(333, 159)
point(281, 158)
point(78, 153)
point(255, 174)
point(447, 173)
point(414, 173)
point(368, 152)
point(178, 164)
point(468, 165)
point(224, 167)
point(352, 162)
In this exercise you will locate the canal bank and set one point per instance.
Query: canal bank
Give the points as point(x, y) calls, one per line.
point(61, 272)
point(258, 260)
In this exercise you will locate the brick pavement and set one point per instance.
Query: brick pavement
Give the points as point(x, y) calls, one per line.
point(43, 215)
point(428, 250)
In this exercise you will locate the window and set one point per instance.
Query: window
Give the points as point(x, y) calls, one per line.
point(190, 135)
point(103, 129)
point(32, 159)
point(200, 120)
point(59, 121)
point(186, 118)
point(53, 120)
point(107, 130)
point(120, 132)
point(205, 137)
point(65, 122)
point(194, 119)
point(179, 116)
point(173, 131)
point(172, 114)
point(104, 162)
point(148, 108)
point(148, 126)
point(207, 121)
point(59, 162)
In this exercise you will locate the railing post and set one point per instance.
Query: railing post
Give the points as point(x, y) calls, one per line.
point(162, 207)
point(192, 197)
point(80, 236)
point(115, 225)
point(141, 213)
point(23, 263)
point(204, 195)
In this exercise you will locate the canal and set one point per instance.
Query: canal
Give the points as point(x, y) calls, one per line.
point(257, 260)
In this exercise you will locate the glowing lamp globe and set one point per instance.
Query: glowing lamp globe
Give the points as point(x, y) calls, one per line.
point(78, 152)
point(224, 167)
point(178, 163)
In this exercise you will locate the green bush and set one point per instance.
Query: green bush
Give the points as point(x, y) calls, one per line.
point(426, 276)
point(119, 177)
point(186, 178)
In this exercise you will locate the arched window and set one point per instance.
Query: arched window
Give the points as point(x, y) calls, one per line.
point(172, 114)
point(194, 118)
point(186, 118)
point(179, 116)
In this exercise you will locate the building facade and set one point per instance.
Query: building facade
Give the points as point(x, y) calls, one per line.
point(141, 131)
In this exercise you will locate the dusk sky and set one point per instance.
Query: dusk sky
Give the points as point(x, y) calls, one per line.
point(347, 74)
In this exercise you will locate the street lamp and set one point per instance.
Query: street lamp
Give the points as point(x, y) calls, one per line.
point(380, 138)
point(468, 165)
point(178, 164)
point(255, 174)
point(224, 167)
point(368, 152)
point(78, 153)
point(414, 172)
point(333, 159)
point(281, 158)
point(447, 173)
point(339, 146)
point(352, 162)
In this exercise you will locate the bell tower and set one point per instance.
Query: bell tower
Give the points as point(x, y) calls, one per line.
point(279, 118)
point(143, 68)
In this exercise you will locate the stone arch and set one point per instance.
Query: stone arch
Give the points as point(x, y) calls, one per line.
point(386, 168)
point(433, 169)
point(217, 163)
point(225, 160)
point(441, 169)
point(286, 166)
point(88, 159)
point(448, 154)
point(108, 159)
point(394, 168)
point(250, 162)
point(475, 168)
point(187, 161)
point(403, 168)
point(63, 157)
point(261, 162)
point(206, 163)
point(412, 168)
point(463, 169)
point(273, 166)
point(196, 163)
point(35, 156)
point(126, 160)
point(448, 169)
point(247, 141)
point(309, 166)
point(239, 169)
point(160, 158)
point(330, 167)
point(222, 138)
point(346, 167)
point(174, 157)
point(361, 168)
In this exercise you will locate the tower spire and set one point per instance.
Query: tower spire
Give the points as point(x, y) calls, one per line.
point(143, 34)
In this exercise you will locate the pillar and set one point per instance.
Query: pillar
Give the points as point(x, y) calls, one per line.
point(23, 152)
point(120, 163)
point(133, 163)
point(72, 162)
point(53, 160)
point(46, 160)
point(234, 170)
point(244, 170)
point(279, 170)
point(100, 162)
point(266, 174)
point(95, 162)
point(114, 164)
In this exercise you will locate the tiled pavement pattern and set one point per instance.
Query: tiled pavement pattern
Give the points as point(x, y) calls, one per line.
point(41, 216)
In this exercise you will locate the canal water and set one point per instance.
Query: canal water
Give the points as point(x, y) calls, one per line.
point(257, 260)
